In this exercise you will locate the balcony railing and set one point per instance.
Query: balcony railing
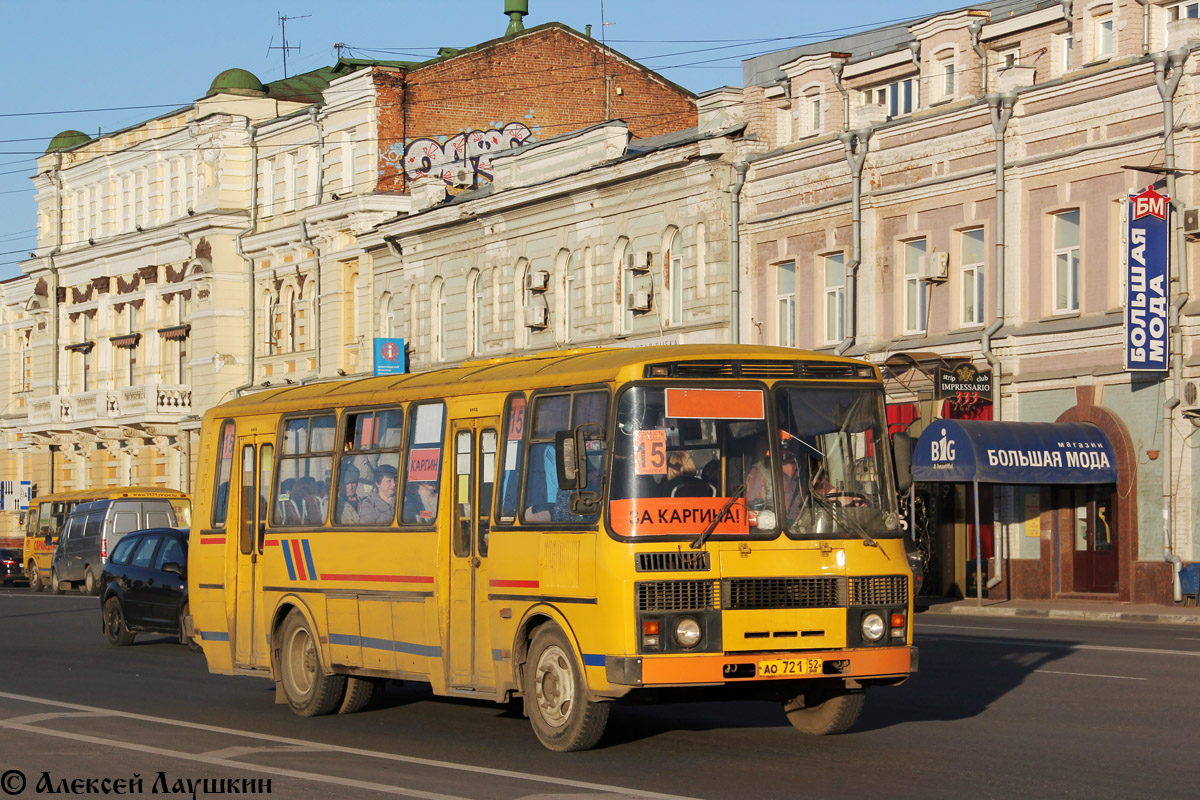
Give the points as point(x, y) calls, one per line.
point(124, 404)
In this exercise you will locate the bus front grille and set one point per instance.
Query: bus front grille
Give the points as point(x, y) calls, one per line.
point(677, 561)
point(675, 595)
point(879, 590)
point(761, 593)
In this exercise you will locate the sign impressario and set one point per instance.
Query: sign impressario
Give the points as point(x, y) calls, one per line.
point(964, 378)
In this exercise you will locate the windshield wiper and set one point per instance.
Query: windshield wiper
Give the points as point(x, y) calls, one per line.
point(842, 518)
point(712, 526)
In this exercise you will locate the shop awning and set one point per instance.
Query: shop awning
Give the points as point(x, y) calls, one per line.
point(1034, 453)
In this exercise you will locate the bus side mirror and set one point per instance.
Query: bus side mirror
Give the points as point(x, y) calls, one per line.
point(902, 457)
point(567, 452)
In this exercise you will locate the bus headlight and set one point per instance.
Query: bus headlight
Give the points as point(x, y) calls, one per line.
point(687, 632)
point(873, 626)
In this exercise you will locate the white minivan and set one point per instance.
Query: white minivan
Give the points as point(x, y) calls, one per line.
point(93, 530)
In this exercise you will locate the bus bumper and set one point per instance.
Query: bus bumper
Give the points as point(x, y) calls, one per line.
point(694, 670)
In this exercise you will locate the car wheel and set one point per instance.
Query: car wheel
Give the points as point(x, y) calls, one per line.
point(89, 582)
point(115, 629)
point(824, 712)
point(308, 689)
point(562, 715)
point(56, 586)
point(190, 641)
point(35, 578)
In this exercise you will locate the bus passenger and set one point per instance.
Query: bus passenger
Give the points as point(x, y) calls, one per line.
point(379, 507)
point(347, 499)
point(423, 506)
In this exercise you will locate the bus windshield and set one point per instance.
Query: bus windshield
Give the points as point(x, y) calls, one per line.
point(835, 474)
point(683, 456)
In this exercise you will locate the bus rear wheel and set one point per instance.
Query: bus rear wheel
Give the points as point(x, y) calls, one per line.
point(35, 578)
point(359, 693)
point(562, 715)
point(825, 712)
point(308, 689)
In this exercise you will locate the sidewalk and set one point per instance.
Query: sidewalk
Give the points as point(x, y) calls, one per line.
point(1107, 611)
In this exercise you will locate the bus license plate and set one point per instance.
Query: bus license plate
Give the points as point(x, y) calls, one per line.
point(784, 667)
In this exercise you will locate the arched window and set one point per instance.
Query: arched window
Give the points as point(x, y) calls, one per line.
point(521, 301)
point(387, 323)
point(474, 313)
point(673, 264)
point(286, 320)
point(437, 303)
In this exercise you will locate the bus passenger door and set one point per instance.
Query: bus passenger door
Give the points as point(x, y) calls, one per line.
point(256, 456)
point(470, 651)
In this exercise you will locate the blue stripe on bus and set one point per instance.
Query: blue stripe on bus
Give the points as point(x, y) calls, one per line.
point(433, 651)
point(593, 659)
point(287, 559)
point(215, 636)
point(308, 559)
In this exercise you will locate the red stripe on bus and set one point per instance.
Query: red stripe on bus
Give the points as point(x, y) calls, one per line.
point(380, 578)
point(212, 540)
point(299, 559)
point(516, 584)
point(271, 543)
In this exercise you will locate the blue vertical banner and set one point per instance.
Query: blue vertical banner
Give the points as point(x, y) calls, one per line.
point(390, 357)
point(1147, 282)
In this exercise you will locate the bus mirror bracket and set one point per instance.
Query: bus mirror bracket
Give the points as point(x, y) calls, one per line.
point(584, 503)
point(902, 457)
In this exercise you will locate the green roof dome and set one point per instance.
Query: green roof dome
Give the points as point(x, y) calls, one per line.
point(236, 81)
point(67, 139)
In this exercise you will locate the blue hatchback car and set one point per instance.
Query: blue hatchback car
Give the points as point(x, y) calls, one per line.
point(143, 588)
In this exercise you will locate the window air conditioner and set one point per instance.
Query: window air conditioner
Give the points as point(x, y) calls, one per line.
point(462, 177)
point(536, 317)
point(934, 267)
point(639, 301)
point(1191, 222)
point(639, 261)
point(537, 281)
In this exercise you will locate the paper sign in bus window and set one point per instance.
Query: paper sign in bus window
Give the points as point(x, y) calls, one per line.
point(715, 404)
point(678, 516)
point(423, 464)
point(650, 452)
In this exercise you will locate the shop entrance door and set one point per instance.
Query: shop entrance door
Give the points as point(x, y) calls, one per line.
point(1095, 551)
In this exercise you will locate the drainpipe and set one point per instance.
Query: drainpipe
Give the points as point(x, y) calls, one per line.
point(974, 28)
point(836, 68)
point(1000, 106)
point(252, 344)
point(1145, 4)
point(1173, 63)
point(735, 266)
point(304, 235)
point(856, 153)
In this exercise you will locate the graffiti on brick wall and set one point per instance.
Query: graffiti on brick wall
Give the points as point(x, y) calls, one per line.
point(474, 149)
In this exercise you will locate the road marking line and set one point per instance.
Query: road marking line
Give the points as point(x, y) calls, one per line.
point(1061, 646)
point(965, 627)
point(1091, 675)
point(428, 762)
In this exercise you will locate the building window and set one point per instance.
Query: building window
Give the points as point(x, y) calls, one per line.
point(475, 297)
point(899, 97)
point(1066, 51)
point(675, 276)
point(1066, 261)
point(973, 252)
point(785, 292)
point(914, 290)
point(1183, 11)
point(947, 79)
point(835, 298)
point(1104, 37)
point(438, 308)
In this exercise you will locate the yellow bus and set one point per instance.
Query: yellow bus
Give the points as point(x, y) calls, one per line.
point(47, 514)
point(570, 528)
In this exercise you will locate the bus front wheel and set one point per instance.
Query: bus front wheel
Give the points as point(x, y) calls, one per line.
point(563, 717)
point(309, 691)
point(824, 712)
point(35, 578)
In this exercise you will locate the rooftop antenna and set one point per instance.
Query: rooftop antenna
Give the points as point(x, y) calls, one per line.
point(604, 55)
point(285, 47)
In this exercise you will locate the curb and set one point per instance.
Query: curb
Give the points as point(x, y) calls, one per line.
point(1056, 613)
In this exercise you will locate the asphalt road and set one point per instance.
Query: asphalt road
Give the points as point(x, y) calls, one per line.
point(1006, 707)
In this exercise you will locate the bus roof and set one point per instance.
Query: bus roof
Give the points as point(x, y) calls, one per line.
point(109, 492)
point(539, 370)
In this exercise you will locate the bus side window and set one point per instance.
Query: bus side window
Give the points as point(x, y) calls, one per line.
point(224, 471)
point(514, 431)
point(423, 472)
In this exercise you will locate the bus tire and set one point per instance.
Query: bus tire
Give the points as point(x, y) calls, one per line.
point(115, 629)
point(190, 641)
point(309, 691)
point(56, 586)
point(562, 715)
point(825, 712)
point(359, 693)
point(35, 578)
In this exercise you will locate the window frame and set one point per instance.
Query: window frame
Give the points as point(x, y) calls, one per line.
point(835, 293)
point(785, 305)
point(978, 270)
point(531, 440)
point(913, 287)
point(1074, 267)
point(282, 456)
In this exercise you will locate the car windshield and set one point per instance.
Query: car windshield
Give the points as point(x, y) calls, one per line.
point(684, 457)
point(835, 475)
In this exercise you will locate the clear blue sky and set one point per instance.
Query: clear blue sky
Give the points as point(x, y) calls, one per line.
point(105, 66)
